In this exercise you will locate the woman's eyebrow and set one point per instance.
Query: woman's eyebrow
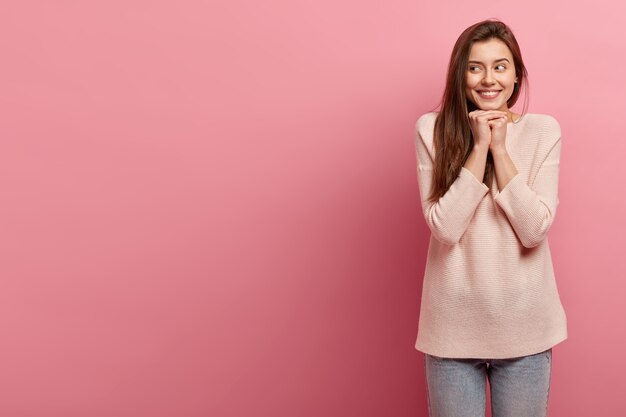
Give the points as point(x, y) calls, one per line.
point(497, 60)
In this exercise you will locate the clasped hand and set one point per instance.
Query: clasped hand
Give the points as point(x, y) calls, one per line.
point(489, 128)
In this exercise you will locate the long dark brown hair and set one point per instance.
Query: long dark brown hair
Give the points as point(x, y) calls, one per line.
point(453, 140)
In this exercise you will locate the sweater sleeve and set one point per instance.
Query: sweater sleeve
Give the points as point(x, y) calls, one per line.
point(531, 209)
point(449, 217)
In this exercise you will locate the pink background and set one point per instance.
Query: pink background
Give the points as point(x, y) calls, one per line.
point(210, 208)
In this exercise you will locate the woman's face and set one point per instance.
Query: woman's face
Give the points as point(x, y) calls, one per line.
point(490, 75)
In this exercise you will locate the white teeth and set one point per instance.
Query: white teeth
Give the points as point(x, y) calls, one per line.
point(488, 93)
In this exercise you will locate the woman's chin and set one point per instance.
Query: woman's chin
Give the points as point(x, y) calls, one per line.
point(489, 106)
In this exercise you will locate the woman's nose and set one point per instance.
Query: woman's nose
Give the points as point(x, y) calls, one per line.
point(488, 79)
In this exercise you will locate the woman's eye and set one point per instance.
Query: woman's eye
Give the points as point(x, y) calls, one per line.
point(472, 68)
point(501, 66)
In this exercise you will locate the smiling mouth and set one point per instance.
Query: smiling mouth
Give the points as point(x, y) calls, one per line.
point(489, 94)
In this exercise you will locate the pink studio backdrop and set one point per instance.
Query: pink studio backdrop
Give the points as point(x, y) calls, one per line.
point(210, 208)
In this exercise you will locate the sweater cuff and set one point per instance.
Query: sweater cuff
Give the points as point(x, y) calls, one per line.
point(467, 174)
point(510, 194)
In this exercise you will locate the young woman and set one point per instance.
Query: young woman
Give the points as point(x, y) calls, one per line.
point(488, 182)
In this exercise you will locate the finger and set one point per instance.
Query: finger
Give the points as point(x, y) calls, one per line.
point(490, 114)
point(497, 123)
point(487, 119)
point(494, 113)
point(494, 117)
point(487, 111)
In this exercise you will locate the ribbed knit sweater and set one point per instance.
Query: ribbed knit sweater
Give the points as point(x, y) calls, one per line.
point(489, 288)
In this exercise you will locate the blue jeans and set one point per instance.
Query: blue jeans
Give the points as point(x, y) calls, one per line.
point(519, 386)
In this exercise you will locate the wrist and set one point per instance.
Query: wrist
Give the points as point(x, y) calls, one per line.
point(481, 149)
point(498, 151)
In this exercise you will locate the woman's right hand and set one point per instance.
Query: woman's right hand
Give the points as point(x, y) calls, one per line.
point(480, 127)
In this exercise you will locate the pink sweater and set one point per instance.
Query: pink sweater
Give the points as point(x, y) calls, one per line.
point(489, 289)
